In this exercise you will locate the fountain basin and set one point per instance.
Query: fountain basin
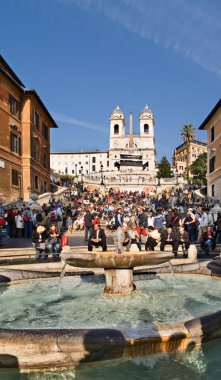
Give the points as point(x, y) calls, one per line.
point(118, 268)
point(112, 260)
point(38, 349)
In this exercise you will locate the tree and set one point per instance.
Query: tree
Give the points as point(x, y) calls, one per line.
point(164, 168)
point(188, 134)
point(199, 168)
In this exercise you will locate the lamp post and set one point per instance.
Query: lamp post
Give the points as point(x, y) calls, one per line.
point(82, 179)
point(102, 178)
point(20, 185)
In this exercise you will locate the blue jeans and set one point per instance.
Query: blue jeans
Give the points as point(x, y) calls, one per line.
point(54, 248)
point(28, 227)
point(87, 230)
point(208, 245)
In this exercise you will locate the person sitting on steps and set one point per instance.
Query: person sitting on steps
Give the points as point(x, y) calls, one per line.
point(97, 238)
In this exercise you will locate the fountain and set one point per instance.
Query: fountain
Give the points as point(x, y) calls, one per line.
point(118, 268)
point(80, 325)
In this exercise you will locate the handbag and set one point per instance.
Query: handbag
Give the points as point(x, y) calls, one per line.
point(54, 240)
point(41, 246)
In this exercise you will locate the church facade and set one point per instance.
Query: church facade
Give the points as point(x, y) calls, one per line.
point(129, 163)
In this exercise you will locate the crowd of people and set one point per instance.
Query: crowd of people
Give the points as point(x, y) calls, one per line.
point(175, 217)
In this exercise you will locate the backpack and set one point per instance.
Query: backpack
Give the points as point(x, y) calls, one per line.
point(9, 218)
point(39, 217)
point(53, 215)
point(26, 218)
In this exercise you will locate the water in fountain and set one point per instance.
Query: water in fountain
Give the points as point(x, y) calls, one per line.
point(172, 272)
point(82, 305)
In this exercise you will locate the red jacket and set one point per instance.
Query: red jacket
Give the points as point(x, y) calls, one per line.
point(2, 221)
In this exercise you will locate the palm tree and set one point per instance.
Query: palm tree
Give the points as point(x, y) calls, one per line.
point(187, 134)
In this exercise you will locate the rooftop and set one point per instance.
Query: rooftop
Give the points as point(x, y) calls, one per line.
point(209, 117)
point(196, 142)
point(88, 152)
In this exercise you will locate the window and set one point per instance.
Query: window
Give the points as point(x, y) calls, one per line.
point(45, 131)
point(14, 107)
point(36, 182)
point(116, 129)
point(93, 160)
point(15, 143)
point(79, 163)
point(213, 190)
point(36, 151)
point(79, 171)
point(212, 134)
point(181, 168)
point(93, 168)
point(15, 177)
point(108, 164)
point(45, 187)
point(45, 160)
point(212, 164)
point(36, 120)
point(86, 163)
point(86, 171)
point(146, 129)
point(72, 171)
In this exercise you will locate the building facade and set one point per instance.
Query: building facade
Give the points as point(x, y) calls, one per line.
point(180, 155)
point(212, 124)
point(77, 163)
point(129, 163)
point(25, 125)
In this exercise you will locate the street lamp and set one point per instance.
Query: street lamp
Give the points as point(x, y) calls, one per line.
point(102, 178)
point(82, 179)
point(20, 184)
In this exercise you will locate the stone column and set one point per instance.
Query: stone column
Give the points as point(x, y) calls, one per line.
point(119, 281)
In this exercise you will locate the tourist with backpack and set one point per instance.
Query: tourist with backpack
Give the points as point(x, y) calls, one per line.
point(28, 223)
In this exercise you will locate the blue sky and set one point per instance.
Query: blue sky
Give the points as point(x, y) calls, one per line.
point(84, 57)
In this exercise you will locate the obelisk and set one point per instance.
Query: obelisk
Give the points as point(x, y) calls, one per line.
point(131, 143)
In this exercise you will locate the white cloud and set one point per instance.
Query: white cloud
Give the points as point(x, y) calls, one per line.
point(78, 123)
point(192, 29)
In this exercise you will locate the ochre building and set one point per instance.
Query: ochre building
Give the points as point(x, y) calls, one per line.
point(180, 155)
point(212, 124)
point(25, 125)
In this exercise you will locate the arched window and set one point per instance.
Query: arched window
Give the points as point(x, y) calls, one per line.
point(146, 128)
point(116, 129)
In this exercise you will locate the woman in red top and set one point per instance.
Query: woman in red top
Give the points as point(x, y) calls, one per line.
point(208, 240)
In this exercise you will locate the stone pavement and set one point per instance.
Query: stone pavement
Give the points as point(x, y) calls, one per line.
point(74, 240)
